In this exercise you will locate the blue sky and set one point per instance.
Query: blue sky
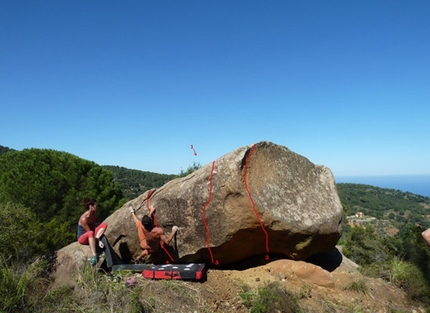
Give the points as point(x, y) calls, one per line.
point(136, 83)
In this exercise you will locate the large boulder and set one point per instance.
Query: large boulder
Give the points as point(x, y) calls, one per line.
point(261, 199)
point(70, 261)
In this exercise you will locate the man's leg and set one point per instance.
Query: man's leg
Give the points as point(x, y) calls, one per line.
point(92, 243)
point(142, 255)
point(100, 230)
point(88, 239)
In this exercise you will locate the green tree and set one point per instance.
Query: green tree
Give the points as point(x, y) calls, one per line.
point(414, 249)
point(23, 236)
point(135, 182)
point(52, 184)
point(18, 228)
point(364, 246)
point(190, 169)
point(4, 149)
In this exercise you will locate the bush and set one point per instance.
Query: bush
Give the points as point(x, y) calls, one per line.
point(408, 276)
point(12, 289)
point(52, 184)
point(20, 286)
point(358, 286)
point(270, 298)
point(23, 237)
point(18, 228)
point(93, 292)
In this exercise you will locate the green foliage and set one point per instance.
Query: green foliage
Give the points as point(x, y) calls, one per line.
point(4, 149)
point(270, 298)
point(379, 253)
point(20, 286)
point(398, 207)
point(364, 246)
point(40, 194)
point(412, 248)
point(358, 285)
point(52, 184)
point(409, 277)
point(54, 235)
point(247, 299)
point(12, 289)
point(190, 169)
point(134, 182)
point(305, 292)
point(93, 292)
point(18, 228)
point(23, 236)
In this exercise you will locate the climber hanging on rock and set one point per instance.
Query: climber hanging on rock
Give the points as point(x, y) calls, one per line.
point(150, 236)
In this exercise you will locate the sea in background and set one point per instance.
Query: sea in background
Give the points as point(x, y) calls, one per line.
point(417, 184)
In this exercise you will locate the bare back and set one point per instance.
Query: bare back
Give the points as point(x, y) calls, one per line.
point(88, 220)
point(153, 238)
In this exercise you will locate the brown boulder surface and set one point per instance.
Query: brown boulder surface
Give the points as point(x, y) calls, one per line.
point(256, 200)
point(261, 199)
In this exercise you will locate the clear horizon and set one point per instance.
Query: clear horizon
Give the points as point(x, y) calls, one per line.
point(136, 84)
point(417, 184)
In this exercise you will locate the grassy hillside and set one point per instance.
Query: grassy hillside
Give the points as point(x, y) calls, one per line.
point(385, 240)
point(135, 182)
point(389, 207)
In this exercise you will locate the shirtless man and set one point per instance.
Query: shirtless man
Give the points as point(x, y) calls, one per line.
point(150, 236)
point(88, 233)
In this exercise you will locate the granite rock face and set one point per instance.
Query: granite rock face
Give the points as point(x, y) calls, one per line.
point(261, 199)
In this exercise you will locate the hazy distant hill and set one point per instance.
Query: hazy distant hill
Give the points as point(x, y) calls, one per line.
point(135, 182)
point(391, 208)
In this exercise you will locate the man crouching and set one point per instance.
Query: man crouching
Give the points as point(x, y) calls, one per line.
point(150, 236)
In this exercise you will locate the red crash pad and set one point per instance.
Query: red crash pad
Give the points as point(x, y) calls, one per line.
point(192, 271)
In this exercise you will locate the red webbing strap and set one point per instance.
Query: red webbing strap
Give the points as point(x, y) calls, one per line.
point(253, 203)
point(156, 225)
point(203, 215)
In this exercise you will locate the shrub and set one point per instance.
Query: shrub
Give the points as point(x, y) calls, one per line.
point(19, 286)
point(270, 298)
point(23, 237)
point(18, 228)
point(52, 184)
point(407, 276)
point(358, 285)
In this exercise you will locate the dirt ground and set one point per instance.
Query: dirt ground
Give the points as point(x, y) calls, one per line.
point(222, 288)
point(315, 288)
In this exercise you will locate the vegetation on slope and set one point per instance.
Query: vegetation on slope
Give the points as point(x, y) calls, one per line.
point(50, 185)
point(135, 182)
point(40, 191)
point(400, 208)
point(388, 245)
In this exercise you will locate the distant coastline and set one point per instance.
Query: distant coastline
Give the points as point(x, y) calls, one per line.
point(417, 184)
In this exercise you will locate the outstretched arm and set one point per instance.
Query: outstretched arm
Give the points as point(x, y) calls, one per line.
point(166, 239)
point(133, 214)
